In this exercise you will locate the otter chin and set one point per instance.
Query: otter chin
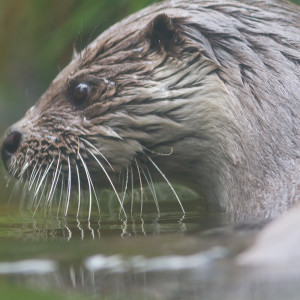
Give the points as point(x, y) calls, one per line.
point(204, 94)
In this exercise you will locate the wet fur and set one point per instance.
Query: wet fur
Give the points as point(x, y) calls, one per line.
point(206, 91)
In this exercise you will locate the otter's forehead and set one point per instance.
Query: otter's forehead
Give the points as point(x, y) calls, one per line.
point(68, 71)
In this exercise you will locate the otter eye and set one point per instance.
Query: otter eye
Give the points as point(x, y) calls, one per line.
point(81, 93)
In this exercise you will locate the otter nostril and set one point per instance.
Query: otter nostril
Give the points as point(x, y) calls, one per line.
point(10, 145)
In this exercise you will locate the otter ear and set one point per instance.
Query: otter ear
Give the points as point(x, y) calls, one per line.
point(162, 33)
point(75, 53)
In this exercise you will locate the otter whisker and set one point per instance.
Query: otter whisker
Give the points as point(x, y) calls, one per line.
point(97, 150)
point(27, 151)
point(92, 185)
point(61, 193)
point(50, 197)
point(31, 175)
point(79, 190)
point(37, 173)
point(69, 187)
point(44, 150)
point(168, 182)
point(89, 184)
point(99, 229)
point(132, 188)
point(14, 192)
point(41, 196)
point(23, 196)
point(143, 227)
point(50, 192)
point(69, 232)
point(141, 186)
point(126, 185)
point(125, 189)
point(110, 181)
point(37, 181)
point(80, 229)
point(152, 190)
point(31, 191)
point(94, 191)
point(24, 168)
point(153, 187)
point(14, 171)
point(91, 230)
point(44, 176)
point(159, 153)
point(120, 179)
point(54, 180)
point(96, 197)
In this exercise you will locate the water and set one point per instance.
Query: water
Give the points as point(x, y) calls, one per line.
point(148, 256)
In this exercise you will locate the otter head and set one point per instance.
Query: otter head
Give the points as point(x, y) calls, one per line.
point(120, 108)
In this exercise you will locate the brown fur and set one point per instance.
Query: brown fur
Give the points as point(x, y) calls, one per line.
point(213, 83)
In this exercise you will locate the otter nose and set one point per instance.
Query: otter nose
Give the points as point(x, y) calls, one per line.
point(10, 145)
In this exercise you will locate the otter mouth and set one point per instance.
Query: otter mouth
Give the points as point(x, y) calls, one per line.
point(45, 167)
point(27, 158)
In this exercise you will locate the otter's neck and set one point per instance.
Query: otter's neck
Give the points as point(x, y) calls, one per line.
point(224, 152)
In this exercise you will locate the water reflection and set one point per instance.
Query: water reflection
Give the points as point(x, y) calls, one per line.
point(69, 228)
point(153, 256)
point(209, 274)
point(49, 224)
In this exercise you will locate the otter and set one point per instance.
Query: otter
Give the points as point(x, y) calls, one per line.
point(205, 94)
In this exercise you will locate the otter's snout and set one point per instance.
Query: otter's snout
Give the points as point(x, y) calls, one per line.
point(10, 146)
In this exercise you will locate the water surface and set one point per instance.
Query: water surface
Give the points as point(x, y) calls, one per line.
point(146, 255)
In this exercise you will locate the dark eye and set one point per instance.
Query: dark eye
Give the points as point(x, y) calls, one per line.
point(81, 93)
